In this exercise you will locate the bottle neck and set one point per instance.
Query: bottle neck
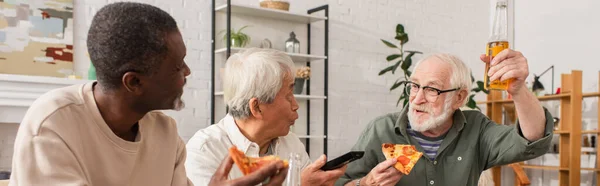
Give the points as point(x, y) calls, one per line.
point(500, 26)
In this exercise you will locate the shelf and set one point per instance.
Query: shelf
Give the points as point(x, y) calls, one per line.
point(311, 136)
point(593, 94)
point(295, 56)
point(554, 97)
point(561, 132)
point(298, 96)
point(590, 132)
point(543, 167)
point(271, 13)
point(590, 169)
point(541, 98)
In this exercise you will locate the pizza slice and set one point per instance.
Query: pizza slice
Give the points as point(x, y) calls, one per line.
point(250, 164)
point(407, 156)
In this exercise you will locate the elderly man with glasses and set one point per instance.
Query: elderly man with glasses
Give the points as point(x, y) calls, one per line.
point(456, 145)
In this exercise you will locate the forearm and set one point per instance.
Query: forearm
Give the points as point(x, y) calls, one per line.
point(531, 114)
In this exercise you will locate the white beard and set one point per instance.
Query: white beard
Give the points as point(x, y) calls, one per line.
point(433, 122)
point(178, 104)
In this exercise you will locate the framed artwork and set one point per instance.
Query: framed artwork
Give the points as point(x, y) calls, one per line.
point(36, 37)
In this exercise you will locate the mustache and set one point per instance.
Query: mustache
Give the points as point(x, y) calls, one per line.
point(423, 108)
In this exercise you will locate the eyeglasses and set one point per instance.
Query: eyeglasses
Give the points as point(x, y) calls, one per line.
point(431, 94)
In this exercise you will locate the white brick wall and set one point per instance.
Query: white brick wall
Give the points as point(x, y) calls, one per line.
point(357, 94)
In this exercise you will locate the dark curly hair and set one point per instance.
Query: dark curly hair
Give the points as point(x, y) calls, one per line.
point(125, 37)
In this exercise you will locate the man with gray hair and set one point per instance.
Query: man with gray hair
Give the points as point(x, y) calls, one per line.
point(457, 145)
point(258, 88)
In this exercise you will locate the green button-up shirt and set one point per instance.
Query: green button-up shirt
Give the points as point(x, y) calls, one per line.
point(473, 144)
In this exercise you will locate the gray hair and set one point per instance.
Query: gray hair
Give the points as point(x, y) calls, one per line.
point(461, 74)
point(254, 73)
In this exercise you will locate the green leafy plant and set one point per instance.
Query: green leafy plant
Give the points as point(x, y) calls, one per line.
point(477, 87)
point(402, 59)
point(238, 39)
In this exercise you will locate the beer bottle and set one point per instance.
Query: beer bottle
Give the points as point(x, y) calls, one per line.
point(498, 41)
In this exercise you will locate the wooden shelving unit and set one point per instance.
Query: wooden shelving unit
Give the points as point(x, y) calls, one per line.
point(569, 130)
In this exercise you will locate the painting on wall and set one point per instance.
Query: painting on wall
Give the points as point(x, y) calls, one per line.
point(36, 37)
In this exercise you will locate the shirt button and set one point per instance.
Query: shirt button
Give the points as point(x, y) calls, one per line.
point(435, 162)
point(431, 182)
point(529, 152)
point(459, 158)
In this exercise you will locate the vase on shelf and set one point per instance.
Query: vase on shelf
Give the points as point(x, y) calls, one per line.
point(299, 85)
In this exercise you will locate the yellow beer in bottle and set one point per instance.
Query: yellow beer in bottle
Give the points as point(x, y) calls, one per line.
point(498, 41)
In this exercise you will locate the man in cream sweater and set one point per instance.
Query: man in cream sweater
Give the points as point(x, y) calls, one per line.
point(108, 133)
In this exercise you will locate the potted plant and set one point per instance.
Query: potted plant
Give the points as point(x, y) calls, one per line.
point(477, 87)
point(238, 39)
point(404, 60)
point(302, 74)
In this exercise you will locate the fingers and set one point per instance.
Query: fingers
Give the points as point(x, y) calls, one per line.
point(509, 75)
point(381, 167)
point(484, 58)
point(505, 54)
point(501, 69)
point(508, 61)
point(225, 166)
point(261, 174)
point(390, 176)
point(336, 173)
point(317, 164)
point(392, 179)
point(278, 178)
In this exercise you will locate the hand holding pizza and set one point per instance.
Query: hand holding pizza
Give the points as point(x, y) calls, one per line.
point(275, 170)
point(383, 174)
point(313, 175)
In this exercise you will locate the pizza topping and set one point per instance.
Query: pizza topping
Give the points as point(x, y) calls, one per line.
point(403, 159)
point(406, 155)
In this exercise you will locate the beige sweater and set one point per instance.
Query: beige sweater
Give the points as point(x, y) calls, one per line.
point(64, 141)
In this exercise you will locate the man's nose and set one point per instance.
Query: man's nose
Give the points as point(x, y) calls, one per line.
point(419, 97)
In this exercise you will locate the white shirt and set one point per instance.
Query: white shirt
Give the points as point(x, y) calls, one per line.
point(208, 147)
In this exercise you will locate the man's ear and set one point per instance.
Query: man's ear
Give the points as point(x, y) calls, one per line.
point(461, 96)
point(132, 81)
point(255, 108)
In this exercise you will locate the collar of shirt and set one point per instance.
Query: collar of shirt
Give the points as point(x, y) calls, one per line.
point(241, 142)
point(459, 121)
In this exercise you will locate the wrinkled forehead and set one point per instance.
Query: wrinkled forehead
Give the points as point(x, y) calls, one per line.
point(432, 72)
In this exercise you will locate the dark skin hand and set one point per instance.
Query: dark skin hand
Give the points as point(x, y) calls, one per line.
point(274, 171)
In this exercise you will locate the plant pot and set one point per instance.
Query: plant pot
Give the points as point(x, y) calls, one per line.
point(299, 85)
point(235, 42)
